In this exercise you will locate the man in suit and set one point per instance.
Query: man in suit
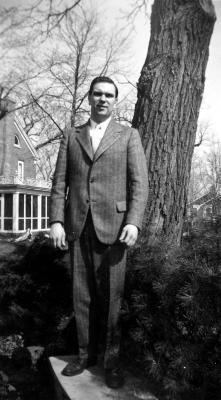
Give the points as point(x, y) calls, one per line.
point(98, 199)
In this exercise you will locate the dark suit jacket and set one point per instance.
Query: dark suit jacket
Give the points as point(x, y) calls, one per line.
point(112, 182)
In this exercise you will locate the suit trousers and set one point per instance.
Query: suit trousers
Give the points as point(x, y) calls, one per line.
point(98, 279)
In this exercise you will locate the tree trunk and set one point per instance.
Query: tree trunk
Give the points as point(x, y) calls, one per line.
point(170, 91)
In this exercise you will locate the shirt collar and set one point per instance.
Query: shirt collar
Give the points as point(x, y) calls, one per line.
point(103, 125)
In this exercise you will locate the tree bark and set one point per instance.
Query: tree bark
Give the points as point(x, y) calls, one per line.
point(170, 91)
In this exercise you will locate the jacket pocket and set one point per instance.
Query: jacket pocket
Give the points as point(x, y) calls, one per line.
point(121, 206)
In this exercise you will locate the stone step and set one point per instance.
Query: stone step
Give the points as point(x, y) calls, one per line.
point(90, 384)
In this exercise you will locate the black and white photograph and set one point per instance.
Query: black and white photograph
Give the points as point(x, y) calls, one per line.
point(110, 200)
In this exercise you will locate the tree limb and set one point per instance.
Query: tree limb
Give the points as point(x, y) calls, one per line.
point(208, 8)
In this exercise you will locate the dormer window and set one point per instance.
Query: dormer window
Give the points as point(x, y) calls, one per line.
point(17, 141)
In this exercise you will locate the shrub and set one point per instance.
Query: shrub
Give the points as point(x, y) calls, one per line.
point(172, 324)
point(34, 291)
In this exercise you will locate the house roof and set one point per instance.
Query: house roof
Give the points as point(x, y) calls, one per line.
point(206, 199)
point(211, 200)
point(24, 136)
point(202, 199)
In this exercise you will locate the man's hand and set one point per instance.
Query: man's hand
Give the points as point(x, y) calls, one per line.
point(129, 235)
point(57, 235)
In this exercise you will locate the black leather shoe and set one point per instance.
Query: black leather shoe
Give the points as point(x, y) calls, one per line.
point(114, 378)
point(77, 366)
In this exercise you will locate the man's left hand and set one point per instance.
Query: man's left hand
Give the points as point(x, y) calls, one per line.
point(129, 235)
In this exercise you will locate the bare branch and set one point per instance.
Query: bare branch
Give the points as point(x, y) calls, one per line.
point(53, 92)
point(202, 133)
point(46, 112)
point(43, 144)
point(45, 15)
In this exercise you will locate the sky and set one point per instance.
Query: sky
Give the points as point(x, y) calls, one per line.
point(111, 14)
point(211, 105)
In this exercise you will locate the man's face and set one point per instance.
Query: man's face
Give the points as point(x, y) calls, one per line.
point(102, 101)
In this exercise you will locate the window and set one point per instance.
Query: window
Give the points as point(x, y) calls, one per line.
point(31, 211)
point(17, 141)
point(44, 212)
point(8, 211)
point(34, 212)
point(27, 212)
point(194, 212)
point(21, 170)
point(8, 205)
point(208, 211)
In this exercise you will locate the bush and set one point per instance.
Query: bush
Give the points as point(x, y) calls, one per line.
point(171, 318)
point(35, 292)
point(172, 325)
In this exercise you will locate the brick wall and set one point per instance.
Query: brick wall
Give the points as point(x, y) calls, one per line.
point(11, 154)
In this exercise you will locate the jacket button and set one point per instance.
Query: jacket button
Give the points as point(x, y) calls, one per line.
point(92, 180)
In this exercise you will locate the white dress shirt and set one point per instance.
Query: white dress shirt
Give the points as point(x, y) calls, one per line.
point(97, 131)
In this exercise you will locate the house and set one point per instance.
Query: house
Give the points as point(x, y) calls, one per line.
point(24, 200)
point(206, 207)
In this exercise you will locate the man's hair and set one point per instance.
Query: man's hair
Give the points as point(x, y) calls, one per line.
point(99, 79)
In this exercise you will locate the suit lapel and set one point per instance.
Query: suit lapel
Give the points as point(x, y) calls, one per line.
point(110, 136)
point(83, 137)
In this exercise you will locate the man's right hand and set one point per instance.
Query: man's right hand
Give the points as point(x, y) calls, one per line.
point(57, 235)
